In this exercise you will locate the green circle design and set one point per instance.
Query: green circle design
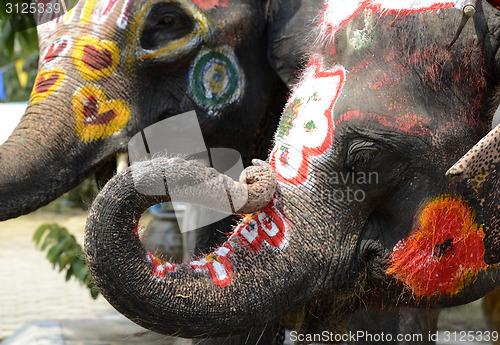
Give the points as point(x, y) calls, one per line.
point(200, 92)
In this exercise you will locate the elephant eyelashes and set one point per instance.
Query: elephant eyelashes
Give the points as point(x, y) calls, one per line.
point(165, 23)
point(361, 153)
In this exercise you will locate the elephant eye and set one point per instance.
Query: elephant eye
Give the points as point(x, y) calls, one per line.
point(165, 23)
point(361, 153)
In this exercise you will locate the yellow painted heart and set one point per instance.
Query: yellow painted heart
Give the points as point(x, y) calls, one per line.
point(95, 59)
point(47, 82)
point(96, 116)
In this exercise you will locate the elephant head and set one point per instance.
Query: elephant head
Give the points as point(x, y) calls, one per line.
point(108, 69)
point(362, 212)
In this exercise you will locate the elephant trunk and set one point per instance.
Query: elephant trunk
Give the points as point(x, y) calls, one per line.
point(238, 286)
point(39, 161)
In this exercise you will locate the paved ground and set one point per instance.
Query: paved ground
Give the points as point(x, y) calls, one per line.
point(29, 288)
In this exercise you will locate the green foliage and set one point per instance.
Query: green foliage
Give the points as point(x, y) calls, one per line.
point(15, 44)
point(80, 197)
point(64, 251)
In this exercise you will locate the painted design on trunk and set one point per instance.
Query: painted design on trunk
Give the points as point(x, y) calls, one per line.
point(216, 80)
point(87, 11)
point(95, 59)
point(209, 4)
point(124, 14)
point(56, 50)
point(160, 267)
point(445, 251)
point(96, 116)
point(266, 227)
point(337, 13)
point(217, 264)
point(47, 83)
point(307, 121)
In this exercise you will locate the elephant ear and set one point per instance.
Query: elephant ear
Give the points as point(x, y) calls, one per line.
point(289, 24)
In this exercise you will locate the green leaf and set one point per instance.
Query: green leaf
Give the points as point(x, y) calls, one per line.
point(54, 236)
point(69, 273)
point(55, 251)
point(67, 259)
point(65, 251)
point(94, 291)
point(40, 232)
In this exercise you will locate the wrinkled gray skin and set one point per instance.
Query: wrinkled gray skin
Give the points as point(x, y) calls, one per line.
point(338, 250)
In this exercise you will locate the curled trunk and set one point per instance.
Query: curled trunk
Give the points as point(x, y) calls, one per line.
point(250, 285)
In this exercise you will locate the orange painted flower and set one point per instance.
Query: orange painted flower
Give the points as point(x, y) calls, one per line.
point(445, 251)
point(96, 116)
point(95, 59)
point(47, 82)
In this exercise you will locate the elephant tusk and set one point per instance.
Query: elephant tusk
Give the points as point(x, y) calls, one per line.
point(121, 161)
point(467, 12)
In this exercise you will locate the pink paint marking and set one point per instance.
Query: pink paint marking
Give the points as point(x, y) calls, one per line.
point(210, 4)
point(110, 7)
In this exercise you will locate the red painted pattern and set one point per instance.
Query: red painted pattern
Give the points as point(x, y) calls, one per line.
point(54, 50)
point(306, 152)
point(445, 251)
point(329, 29)
point(409, 123)
point(160, 268)
point(209, 4)
point(218, 265)
point(266, 227)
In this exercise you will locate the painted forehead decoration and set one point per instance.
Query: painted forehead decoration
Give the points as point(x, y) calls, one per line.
point(306, 129)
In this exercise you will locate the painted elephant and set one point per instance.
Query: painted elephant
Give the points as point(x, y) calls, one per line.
point(357, 205)
point(108, 69)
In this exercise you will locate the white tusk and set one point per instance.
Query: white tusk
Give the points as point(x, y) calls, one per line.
point(121, 161)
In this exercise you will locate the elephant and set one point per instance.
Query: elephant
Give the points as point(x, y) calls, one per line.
point(358, 209)
point(100, 82)
point(108, 69)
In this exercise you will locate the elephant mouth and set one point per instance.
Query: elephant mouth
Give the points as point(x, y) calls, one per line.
point(113, 165)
